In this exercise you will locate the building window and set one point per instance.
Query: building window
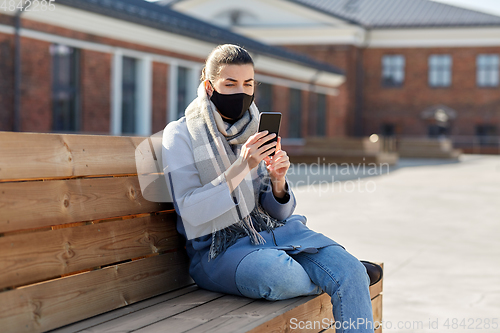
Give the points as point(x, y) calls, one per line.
point(129, 95)
point(65, 88)
point(440, 70)
point(487, 134)
point(388, 129)
point(487, 70)
point(320, 115)
point(295, 113)
point(393, 70)
point(264, 97)
point(182, 90)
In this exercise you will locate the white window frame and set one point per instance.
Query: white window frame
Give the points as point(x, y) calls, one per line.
point(143, 109)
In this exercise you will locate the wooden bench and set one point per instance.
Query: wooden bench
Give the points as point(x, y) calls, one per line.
point(81, 249)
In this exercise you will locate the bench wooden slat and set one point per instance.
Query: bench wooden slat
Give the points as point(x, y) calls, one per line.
point(377, 287)
point(148, 317)
point(199, 315)
point(36, 155)
point(124, 313)
point(36, 204)
point(37, 256)
point(54, 303)
point(251, 315)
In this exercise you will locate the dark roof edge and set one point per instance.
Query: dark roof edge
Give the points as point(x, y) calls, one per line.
point(165, 19)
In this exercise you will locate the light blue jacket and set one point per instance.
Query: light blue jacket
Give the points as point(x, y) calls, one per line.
point(201, 203)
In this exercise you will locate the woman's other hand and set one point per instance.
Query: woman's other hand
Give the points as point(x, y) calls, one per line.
point(277, 167)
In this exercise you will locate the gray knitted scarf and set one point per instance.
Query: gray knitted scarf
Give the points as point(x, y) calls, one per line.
point(216, 145)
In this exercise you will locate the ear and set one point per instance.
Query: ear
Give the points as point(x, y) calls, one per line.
point(208, 88)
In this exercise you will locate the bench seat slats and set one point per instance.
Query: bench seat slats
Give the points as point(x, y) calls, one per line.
point(51, 304)
point(147, 318)
point(197, 316)
point(122, 314)
point(237, 314)
point(35, 155)
point(32, 257)
point(37, 204)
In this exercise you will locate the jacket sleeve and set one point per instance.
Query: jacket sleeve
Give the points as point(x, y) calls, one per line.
point(194, 202)
point(280, 210)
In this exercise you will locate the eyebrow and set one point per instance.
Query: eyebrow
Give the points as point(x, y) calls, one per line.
point(234, 80)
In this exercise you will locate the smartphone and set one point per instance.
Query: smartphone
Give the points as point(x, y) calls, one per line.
point(271, 122)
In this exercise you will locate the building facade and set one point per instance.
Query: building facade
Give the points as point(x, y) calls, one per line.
point(413, 68)
point(128, 67)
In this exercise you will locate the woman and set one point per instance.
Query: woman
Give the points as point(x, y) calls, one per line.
point(235, 207)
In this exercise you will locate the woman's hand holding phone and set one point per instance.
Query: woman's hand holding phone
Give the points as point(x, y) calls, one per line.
point(277, 167)
point(250, 156)
point(256, 149)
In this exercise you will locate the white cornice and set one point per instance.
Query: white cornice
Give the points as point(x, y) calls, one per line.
point(351, 35)
point(435, 37)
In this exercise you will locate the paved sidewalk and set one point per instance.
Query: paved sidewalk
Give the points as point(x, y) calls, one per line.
point(435, 225)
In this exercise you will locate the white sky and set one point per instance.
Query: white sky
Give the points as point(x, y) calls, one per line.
point(487, 6)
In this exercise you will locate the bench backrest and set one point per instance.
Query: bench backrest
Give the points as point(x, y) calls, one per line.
point(77, 238)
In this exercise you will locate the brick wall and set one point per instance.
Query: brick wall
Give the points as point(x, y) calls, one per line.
point(95, 80)
point(36, 86)
point(403, 105)
point(159, 98)
point(95, 71)
point(342, 107)
point(281, 103)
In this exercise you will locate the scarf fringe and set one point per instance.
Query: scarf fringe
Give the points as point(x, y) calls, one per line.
point(250, 226)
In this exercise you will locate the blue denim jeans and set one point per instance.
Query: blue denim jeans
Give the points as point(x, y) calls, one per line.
point(274, 275)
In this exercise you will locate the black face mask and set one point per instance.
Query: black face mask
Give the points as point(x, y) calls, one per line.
point(232, 106)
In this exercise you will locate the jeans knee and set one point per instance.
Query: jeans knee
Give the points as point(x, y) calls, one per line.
point(276, 279)
point(357, 273)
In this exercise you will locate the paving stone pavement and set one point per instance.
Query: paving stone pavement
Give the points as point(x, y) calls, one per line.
point(434, 223)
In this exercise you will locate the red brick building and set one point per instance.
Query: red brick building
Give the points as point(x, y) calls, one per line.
point(127, 67)
point(413, 68)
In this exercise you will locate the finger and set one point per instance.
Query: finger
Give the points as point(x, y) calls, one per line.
point(265, 147)
point(254, 138)
point(278, 147)
point(282, 162)
point(278, 156)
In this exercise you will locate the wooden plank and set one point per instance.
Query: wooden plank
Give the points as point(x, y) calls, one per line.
point(122, 314)
point(37, 155)
point(251, 315)
point(377, 287)
point(55, 303)
point(317, 311)
point(246, 312)
point(377, 309)
point(194, 317)
point(158, 313)
point(48, 203)
point(34, 257)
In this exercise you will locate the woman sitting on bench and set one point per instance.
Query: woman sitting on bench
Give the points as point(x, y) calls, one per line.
point(235, 206)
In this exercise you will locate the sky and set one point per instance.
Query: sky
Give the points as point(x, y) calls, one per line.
point(487, 6)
